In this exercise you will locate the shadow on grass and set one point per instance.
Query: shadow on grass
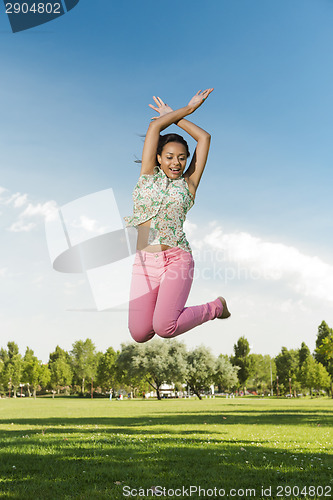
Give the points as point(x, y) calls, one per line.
point(313, 417)
point(95, 457)
point(86, 470)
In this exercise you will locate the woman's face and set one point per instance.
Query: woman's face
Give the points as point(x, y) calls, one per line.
point(173, 159)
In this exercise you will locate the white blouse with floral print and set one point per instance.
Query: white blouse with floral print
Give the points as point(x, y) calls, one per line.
point(166, 202)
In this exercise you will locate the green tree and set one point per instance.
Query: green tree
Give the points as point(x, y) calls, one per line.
point(163, 362)
point(2, 366)
point(44, 375)
point(322, 378)
point(324, 350)
point(30, 368)
point(303, 354)
point(313, 375)
point(60, 369)
point(157, 362)
point(201, 370)
point(12, 367)
point(128, 371)
point(307, 373)
point(225, 376)
point(242, 360)
point(261, 368)
point(34, 372)
point(287, 365)
point(84, 361)
point(107, 371)
point(324, 331)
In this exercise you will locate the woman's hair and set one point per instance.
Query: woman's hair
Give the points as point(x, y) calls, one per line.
point(163, 140)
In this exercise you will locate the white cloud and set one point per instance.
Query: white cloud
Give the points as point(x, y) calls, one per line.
point(20, 226)
point(17, 200)
point(306, 275)
point(89, 225)
point(41, 209)
point(20, 200)
point(190, 228)
point(45, 210)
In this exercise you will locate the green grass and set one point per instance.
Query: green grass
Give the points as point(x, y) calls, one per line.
point(91, 449)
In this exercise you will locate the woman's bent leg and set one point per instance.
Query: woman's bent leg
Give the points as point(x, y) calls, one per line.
point(171, 317)
point(143, 295)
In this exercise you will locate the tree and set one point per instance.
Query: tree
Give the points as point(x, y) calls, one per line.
point(225, 373)
point(162, 361)
point(287, 365)
point(34, 372)
point(322, 378)
point(30, 369)
point(303, 354)
point(12, 367)
point(128, 371)
point(157, 362)
point(307, 373)
point(43, 375)
point(324, 350)
point(60, 369)
point(324, 331)
point(314, 375)
point(107, 372)
point(84, 361)
point(242, 360)
point(201, 366)
point(261, 367)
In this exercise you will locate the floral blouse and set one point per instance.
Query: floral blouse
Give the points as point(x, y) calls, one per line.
point(166, 202)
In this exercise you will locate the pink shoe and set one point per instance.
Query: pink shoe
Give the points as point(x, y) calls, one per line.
point(225, 313)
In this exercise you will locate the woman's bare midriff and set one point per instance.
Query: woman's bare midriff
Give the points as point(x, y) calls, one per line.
point(142, 243)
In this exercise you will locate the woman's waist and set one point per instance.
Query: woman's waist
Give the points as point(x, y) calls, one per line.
point(170, 254)
point(153, 248)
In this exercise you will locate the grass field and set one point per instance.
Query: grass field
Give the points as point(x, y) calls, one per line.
point(97, 449)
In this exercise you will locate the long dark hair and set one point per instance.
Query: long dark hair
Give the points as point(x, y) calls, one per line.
point(165, 139)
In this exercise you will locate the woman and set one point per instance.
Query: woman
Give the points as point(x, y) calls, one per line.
point(163, 267)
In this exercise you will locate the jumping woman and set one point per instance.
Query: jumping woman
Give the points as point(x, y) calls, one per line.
point(163, 268)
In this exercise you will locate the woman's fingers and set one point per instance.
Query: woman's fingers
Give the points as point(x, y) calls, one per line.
point(206, 93)
point(159, 101)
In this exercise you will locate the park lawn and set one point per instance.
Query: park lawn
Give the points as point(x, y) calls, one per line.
point(91, 449)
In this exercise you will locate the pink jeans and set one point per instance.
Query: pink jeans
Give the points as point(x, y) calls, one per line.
point(160, 286)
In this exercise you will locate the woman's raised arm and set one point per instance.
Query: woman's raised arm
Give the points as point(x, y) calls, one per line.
point(195, 170)
point(161, 123)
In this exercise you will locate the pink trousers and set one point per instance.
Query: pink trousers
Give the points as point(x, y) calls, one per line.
point(160, 286)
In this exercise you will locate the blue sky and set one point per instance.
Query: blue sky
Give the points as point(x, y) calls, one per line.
point(74, 100)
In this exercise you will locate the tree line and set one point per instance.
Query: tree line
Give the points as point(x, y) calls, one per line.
point(140, 368)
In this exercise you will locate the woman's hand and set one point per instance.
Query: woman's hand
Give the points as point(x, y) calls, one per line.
point(162, 108)
point(199, 98)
